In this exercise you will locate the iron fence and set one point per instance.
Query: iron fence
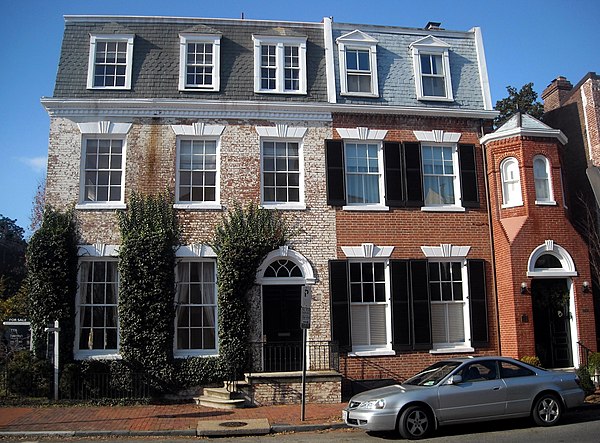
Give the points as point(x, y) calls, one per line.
point(287, 356)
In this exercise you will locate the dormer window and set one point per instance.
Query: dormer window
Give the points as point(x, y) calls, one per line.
point(199, 62)
point(110, 61)
point(431, 66)
point(358, 64)
point(279, 65)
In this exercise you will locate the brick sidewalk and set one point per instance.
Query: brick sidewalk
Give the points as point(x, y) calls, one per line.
point(161, 418)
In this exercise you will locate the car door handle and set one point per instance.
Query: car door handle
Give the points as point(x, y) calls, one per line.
point(496, 388)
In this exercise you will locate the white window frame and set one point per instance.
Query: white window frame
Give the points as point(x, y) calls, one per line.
point(457, 205)
point(357, 41)
point(215, 41)
point(198, 204)
point(510, 199)
point(431, 45)
point(104, 204)
point(457, 346)
point(119, 38)
point(377, 206)
point(548, 180)
point(184, 353)
point(300, 204)
point(280, 43)
point(96, 354)
point(373, 350)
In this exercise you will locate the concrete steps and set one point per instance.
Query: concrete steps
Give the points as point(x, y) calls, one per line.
point(221, 398)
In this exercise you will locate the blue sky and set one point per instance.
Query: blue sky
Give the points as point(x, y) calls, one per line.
point(525, 41)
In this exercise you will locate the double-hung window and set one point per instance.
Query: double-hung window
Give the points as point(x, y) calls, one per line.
point(199, 62)
point(543, 183)
point(281, 172)
point(431, 65)
point(103, 170)
point(358, 64)
point(280, 64)
point(369, 309)
point(448, 305)
point(440, 187)
point(197, 171)
point(96, 309)
point(363, 173)
point(196, 313)
point(110, 62)
point(511, 183)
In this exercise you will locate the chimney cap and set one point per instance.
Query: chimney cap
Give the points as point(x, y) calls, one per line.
point(433, 25)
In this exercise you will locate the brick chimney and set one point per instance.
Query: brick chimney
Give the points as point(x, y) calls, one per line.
point(556, 92)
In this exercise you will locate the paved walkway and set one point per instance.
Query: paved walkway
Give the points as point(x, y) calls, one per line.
point(180, 419)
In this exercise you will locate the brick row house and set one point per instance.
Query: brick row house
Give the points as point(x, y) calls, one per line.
point(369, 138)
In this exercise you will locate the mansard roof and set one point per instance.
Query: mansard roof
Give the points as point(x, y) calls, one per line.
point(155, 69)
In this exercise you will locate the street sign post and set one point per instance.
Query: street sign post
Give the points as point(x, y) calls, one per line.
point(305, 303)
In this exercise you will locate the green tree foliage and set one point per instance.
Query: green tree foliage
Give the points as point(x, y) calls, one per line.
point(149, 238)
point(12, 257)
point(524, 100)
point(242, 240)
point(52, 279)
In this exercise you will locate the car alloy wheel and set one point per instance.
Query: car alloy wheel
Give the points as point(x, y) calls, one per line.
point(547, 410)
point(415, 423)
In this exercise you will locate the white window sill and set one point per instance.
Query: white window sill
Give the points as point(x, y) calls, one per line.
point(359, 94)
point(545, 202)
point(511, 205)
point(191, 353)
point(443, 209)
point(365, 208)
point(194, 206)
point(94, 355)
point(199, 89)
point(116, 88)
point(435, 99)
point(452, 350)
point(96, 206)
point(274, 91)
point(286, 206)
point(373, 353)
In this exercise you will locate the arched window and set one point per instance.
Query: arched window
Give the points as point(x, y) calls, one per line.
point(511, 182)
point(541, 175)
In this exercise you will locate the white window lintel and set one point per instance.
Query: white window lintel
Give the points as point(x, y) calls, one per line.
point(281, 131)
point(362, 133)
point(198, 129)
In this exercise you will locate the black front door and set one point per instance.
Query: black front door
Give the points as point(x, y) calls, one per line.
point(281, 327)
point(551, 318)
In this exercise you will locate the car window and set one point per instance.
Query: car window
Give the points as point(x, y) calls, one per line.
point(433, 374)
point(510, 370)
point(479, 371)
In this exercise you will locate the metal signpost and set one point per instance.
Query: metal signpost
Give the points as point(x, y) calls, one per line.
point(304, 324)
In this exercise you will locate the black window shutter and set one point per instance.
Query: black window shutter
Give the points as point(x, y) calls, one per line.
point(401, 314)
point(478, 303)
point(334, 162)
point(421, 304)
point(340, 303)
point(394, 176)
point(413, 178)
point(468, 176)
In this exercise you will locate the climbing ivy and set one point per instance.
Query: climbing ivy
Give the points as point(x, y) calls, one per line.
point(241, 241)
point(149, 238)
point(52, 280)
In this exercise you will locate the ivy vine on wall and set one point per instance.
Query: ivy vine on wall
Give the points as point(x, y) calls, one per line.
point(52, 280)
point(244, 237)
point(149, 238)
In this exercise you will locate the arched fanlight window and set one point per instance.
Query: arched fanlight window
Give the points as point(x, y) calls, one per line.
point(283, 268)
point(541, 175)
point(511, 182)
point(547, 261)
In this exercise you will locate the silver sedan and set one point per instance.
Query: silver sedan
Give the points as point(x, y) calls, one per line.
point(466, 390)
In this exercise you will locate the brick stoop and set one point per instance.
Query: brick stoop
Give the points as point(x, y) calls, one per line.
point(221, 398)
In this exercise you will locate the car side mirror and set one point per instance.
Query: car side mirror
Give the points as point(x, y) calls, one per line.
point(455, 379)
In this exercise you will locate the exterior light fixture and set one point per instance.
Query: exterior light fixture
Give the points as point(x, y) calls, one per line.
point(523, 288)
point(586, 286)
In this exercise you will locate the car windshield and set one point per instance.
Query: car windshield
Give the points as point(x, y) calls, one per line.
point(433, 374)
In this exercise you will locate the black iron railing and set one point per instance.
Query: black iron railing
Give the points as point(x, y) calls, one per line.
point(584, 354)
point(287, 356)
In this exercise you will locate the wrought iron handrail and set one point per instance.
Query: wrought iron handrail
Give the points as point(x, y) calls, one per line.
point(585, 352)
point(287, 356)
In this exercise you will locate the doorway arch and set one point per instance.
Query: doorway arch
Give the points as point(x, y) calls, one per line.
point(553, 304)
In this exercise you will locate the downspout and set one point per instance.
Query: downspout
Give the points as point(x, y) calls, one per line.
point(491, 234)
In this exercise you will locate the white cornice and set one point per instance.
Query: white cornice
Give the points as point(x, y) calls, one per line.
point(298, 111)
point(522, 132)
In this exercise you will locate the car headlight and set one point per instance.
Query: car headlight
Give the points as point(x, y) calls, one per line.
point(373, 404)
